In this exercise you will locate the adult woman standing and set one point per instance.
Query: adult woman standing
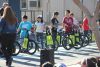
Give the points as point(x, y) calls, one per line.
point(8, 33)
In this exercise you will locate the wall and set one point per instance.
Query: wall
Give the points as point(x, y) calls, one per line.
point(50, 6)
point(15, 4)
point(1, 2)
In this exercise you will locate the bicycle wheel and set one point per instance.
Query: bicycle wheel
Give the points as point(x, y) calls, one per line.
point(67, 43)
point(32, 47)
point(16, 49)
point(90, 36)
point(78, 44)
point(85, 40)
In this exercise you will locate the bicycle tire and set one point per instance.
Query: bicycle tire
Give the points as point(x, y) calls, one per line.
point(85, 40)
point(32, 46)
point(90, 37)
point(67, 45)
point(78, 45)
point(17, 49)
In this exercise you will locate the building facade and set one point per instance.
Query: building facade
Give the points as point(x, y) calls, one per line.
point(33, 8)
point(15, 4)
point(1, 2)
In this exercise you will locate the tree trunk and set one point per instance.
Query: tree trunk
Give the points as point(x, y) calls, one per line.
point(92, 19)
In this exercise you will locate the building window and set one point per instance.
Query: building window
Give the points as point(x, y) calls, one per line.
point(23, 4)
point(33, 3)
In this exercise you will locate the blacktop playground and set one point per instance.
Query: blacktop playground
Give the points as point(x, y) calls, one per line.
point(68, 57)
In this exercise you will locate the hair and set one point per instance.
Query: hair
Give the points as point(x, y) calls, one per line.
point(90, 63)
point(9, 15)
point(68, 11)
point(47, 64)
point(41, 19)
point(4, 4)
point(25, 17)
point(56, 13)
point(72, 14)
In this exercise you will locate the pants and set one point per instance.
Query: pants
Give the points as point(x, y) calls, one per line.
point(7, 44)
point(0, 46)
point(86, 32)
point(54, 33)
point(40, 38)
point(54, 36)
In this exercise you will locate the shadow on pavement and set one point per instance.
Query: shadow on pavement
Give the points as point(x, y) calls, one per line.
point(25, 63)
point(64, 54)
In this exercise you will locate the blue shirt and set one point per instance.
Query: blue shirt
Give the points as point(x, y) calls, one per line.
point(25, 26)
point(5, 27)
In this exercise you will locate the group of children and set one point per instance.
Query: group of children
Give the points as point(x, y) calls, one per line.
point(26, 26)
point(69, 23)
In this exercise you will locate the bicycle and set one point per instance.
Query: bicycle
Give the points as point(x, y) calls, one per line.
point(15, 50)
point(59, 40)
point(70, 40)
point(85, 39)
point(79, 40)
point(50, 43)
point(90, 35)
point(30, 47)
point(66, 41)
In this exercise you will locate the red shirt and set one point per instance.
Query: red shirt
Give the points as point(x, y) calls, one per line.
point(85, 24)
point(68, 22)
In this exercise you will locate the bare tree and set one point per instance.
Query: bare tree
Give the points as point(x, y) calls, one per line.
point(92, 19)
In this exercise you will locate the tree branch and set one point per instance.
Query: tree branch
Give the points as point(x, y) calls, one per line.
point(96, 13)
point(92, 20)
point(83, 8)
point(94, 25)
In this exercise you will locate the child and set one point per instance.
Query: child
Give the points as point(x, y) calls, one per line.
point(24, 28)
point(40, 27)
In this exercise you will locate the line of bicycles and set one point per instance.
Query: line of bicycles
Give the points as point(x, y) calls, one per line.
point(67, 41)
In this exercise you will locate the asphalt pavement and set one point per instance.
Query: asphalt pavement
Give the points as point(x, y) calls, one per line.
point(68, 57)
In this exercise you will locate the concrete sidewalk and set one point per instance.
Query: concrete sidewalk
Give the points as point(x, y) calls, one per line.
point(68, 57)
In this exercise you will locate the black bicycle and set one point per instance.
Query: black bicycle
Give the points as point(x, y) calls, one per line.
point(89, 35)
point(50, 43)
point(62, 39)
point(27, 45)
point(69, 40)
point(16, 49)
point(85, 40)
point(77, 41)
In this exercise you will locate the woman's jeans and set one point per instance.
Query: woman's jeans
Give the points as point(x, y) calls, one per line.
point(40, 38)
